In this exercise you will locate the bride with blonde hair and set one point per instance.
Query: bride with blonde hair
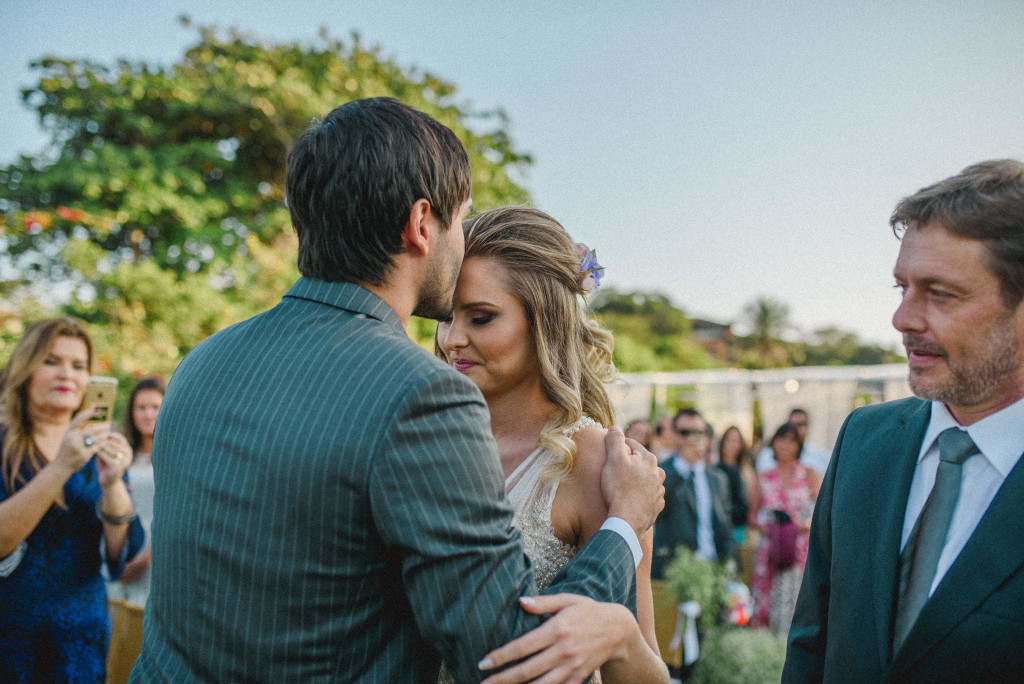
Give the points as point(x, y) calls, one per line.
point(519, 330)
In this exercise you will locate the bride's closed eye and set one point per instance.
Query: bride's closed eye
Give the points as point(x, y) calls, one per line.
point(482, 319)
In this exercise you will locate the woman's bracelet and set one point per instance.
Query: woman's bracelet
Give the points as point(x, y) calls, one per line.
point(115, 519)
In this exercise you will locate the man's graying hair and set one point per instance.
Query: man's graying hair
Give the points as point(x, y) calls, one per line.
point(983, 202)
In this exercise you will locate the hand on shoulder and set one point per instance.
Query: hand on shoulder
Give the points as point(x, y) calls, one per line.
point(632, 482)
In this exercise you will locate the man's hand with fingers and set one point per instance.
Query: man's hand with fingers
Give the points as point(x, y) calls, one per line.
point(632, 483)
point(582, 635)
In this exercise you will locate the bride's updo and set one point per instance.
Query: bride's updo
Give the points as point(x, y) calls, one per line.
point(574, 354)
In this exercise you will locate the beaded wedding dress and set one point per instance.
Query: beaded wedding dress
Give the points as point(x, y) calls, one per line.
point(532, 496)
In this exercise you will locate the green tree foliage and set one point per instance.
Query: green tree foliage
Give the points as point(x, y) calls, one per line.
point(156, 213)
point(830, 346)
point(833, 346)
point(768, 319)
point(650, 333)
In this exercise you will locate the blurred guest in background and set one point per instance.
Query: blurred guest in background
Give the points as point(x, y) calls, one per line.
point(641, 431)
point(64, 511)
point(781, 506)
point(734, 461)
point(663, 443)
point(139, 424)
point(811, 455)
point(697, 511)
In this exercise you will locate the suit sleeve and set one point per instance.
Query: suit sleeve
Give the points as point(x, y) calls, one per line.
point(805, 655)
point(437, 498)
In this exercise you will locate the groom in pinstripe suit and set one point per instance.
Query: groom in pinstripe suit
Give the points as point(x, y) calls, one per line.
point(329, 501)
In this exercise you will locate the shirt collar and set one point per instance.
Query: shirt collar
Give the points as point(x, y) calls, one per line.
point(684, 468)
point(999, 437)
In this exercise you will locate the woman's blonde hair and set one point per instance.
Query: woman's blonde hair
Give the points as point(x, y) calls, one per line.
point(574, 353)
point(19, 448)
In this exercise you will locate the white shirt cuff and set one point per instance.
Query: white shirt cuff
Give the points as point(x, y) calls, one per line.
point(625, 530)
point(11, 562)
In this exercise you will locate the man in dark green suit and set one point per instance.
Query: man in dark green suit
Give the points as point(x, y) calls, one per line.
point(329, 503)
point(916, 564)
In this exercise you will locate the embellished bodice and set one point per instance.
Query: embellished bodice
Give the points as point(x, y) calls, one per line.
point(531, 495)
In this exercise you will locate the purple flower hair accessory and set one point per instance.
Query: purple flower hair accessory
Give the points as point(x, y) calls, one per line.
point(591, 272)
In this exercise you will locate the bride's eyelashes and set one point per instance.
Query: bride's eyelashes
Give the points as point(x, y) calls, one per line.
point(482, 319)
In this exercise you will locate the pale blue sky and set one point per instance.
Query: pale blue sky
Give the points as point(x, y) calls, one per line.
point(713, 151)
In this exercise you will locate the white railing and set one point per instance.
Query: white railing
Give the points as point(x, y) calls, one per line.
point(726, 396)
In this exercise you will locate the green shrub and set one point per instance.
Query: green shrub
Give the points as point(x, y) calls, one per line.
point(728, 654)
point(693, 579)
point(740, 656)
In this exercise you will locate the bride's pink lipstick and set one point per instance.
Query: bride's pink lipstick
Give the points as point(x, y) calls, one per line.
point(462, 365)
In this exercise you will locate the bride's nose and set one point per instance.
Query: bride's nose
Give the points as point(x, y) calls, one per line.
point(454, 337)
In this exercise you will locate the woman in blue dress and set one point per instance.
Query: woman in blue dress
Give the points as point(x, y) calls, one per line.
point(65, 510)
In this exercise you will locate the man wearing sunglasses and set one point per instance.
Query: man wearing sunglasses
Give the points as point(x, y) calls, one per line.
point(697, 510)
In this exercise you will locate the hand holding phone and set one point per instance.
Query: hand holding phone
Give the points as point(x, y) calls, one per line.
point(101, 393)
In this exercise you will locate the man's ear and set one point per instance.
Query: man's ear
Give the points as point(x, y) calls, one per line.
point(418, 228)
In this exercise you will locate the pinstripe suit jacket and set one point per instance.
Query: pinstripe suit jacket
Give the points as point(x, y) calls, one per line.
point(330, 507)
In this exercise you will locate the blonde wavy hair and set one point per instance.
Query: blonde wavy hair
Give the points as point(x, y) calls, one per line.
point(18, 446)
point(574, 353)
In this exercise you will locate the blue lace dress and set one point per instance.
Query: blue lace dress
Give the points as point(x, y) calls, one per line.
point(54, 624)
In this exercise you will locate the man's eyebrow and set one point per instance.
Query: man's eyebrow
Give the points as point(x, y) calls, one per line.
point(928, 281)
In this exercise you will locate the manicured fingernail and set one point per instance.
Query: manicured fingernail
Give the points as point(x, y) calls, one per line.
point(485, 664)
point(527, 600)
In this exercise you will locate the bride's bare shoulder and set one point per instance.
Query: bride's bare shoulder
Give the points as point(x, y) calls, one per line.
point(585, 479)
point(590, 450)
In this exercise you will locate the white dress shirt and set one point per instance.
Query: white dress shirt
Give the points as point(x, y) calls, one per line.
point(702, 490)
point(1000, 438)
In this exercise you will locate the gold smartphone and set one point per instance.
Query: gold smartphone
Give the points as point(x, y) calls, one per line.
point(101, 393)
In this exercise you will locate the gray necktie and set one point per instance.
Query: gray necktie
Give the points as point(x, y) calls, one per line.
point(924, 546)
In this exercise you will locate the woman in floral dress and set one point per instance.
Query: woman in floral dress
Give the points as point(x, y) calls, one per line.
point(781, 507)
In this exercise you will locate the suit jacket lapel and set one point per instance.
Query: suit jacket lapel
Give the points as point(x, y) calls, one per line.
point(903, 448)
point(993, 553)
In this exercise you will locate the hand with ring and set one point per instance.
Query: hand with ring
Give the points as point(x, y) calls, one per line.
point(112, 458)
point(80, 442)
